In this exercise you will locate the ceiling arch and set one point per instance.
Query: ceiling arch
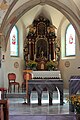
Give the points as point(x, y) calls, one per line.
point(29, 5)
point(8, 12)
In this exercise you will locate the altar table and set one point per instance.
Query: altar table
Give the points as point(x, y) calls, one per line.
point(49, 84)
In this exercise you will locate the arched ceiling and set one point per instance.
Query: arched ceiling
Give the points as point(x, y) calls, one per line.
point(4, 10)
point(28, 10)
point(20, 2)
point(77, 2)
point(49, 12)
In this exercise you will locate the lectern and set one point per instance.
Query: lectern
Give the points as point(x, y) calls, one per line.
point(28, 77)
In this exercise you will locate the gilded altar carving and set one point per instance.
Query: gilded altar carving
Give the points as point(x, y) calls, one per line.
point(41, 43)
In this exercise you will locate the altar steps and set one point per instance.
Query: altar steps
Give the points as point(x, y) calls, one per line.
point(43, 117)
point(21, 97)
point(33, 95)
point(15, 95)
point(18, 110)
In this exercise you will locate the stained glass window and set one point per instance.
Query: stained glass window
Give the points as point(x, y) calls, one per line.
point(70, 41)
point(14, 42)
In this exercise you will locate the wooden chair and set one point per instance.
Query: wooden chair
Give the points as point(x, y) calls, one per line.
point(3, 92)
point(26, 76)
point(12, 82)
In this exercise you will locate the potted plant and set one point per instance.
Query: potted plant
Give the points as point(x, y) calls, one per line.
point(75, 101)
point(51, 65)
point(32, 64)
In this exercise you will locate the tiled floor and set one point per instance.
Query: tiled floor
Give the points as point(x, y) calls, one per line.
point(16, 106)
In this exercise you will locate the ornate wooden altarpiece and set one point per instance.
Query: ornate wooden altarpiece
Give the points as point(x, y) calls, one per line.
point(40, 44)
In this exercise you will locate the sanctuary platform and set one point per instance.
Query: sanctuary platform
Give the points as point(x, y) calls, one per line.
point(18, 110)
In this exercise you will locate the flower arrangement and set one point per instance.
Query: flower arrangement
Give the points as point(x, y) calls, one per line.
point(31, 64)
point(51, 64)
point(75, 101)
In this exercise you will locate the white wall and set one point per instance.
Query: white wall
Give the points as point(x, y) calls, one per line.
point(66, 72)
point(1, 79)
point(8, 64)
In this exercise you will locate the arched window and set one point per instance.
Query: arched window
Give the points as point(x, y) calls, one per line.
point(14, 42)
point(70, 41)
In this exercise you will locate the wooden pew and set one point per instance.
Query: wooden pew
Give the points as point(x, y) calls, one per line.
point(4, 110)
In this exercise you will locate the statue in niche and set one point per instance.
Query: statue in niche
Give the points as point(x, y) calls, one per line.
point(41, 48)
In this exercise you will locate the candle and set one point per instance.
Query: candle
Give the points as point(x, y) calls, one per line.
point(28, 57)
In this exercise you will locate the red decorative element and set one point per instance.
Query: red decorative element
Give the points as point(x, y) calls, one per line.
point(3, 89)
point(70, 39)
point(14, 40)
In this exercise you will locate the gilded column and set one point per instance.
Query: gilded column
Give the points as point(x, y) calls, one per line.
point(50, 50)
point(29, 54)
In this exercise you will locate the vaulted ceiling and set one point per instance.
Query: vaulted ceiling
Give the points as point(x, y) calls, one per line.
point(27, 10)
point(14, 4)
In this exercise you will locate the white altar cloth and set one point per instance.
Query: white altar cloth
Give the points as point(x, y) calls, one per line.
point(46, 74)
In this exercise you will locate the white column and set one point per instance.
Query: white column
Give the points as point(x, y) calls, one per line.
point(34, 56)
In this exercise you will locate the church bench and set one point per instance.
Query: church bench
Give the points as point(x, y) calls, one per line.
point(4, 110)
